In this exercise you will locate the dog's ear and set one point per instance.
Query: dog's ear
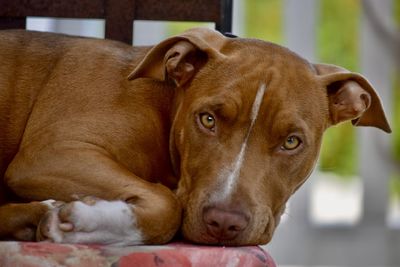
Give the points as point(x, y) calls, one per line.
point(351, 97)
point(179, 57)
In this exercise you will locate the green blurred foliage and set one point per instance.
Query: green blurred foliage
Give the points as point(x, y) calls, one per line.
point(338, 32)
point(396, 9)
point(339, 153)
point(178, 27)
point(394, 184)
point(396, 118)
point(337, 43)
point(264, 20)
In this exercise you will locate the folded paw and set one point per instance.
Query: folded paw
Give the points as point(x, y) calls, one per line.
point(90, 220)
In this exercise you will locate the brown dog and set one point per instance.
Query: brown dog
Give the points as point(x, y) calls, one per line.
point(203, 132)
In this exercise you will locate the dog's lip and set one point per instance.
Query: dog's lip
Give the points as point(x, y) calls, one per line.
point(207, 239)
point(203, 238)
point(217, 242)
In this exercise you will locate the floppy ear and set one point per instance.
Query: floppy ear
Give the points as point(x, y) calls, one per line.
point(351, 97)
point(179, 57)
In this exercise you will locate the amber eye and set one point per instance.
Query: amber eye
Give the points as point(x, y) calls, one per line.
point(292, 142)
point(207, 120)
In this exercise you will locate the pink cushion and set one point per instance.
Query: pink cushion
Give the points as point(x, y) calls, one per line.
point(26, 254)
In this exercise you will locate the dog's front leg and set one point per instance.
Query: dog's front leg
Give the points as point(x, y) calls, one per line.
point(126, 209)
point(117, 222)
point(93, 220)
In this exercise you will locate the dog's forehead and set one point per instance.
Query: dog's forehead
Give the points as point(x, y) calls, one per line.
point(249, 62)
point(291, 83)
point(249, 50)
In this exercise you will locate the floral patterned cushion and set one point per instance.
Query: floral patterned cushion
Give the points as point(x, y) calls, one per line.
point(26, 254)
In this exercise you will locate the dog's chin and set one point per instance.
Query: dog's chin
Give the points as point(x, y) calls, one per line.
point(201, 237)
point(208, 240)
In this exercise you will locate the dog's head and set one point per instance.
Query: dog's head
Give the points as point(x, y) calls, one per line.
point(248, 121)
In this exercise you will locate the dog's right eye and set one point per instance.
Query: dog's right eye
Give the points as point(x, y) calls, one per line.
point(291, 143)
point(208, 121)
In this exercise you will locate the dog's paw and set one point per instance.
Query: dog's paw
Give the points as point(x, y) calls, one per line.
point(90, 220)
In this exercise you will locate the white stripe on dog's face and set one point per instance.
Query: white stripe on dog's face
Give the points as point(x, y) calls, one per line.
point(233, 176)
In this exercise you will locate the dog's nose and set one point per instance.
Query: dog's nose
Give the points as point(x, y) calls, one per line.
point(224, 224)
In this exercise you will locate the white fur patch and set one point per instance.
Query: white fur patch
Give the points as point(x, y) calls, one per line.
point(256, 105)
point(105, 222)
point(233, 176)
point(50, 203)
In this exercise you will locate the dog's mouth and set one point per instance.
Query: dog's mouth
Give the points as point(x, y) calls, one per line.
point(206, 238)
point(258, 231)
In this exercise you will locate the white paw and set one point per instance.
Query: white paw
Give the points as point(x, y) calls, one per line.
point(91, 221)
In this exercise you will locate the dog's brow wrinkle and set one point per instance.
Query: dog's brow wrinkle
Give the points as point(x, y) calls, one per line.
point(234, 174)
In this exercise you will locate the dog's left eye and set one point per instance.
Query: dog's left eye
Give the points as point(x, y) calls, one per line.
point(207, 120)
point(292, 142)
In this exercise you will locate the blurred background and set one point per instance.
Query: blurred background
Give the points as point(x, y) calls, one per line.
point(348, 213)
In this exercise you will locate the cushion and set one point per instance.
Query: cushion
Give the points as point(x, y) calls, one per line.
point(30, 254)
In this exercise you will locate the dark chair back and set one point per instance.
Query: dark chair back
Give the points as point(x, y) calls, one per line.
point(119, 15)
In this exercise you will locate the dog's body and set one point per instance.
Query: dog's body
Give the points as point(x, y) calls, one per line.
point(210, 134)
